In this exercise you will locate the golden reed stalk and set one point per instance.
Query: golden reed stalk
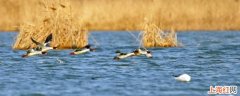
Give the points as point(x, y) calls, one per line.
point(128, 14)
point(57, 19)
point(153, 36)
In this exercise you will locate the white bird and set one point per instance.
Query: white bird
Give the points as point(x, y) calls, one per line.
point(183, 78)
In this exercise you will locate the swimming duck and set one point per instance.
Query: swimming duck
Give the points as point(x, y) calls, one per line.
point(32, 52)
point(41, 48)
point(121, 55)
point(85, 49)
point(137, 52)
point(183, 78)
point(145, 52)
point(44, 47)
point(149, 54)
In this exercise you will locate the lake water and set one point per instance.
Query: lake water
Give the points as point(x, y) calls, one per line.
point(211, 58)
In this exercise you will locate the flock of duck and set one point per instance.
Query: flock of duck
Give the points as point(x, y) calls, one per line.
point(43, 48)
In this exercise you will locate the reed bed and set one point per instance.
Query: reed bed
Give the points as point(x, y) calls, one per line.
point(56, 18)
point(153, 36)
point(128, 14)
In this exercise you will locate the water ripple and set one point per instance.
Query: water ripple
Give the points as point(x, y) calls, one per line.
point(210, 58)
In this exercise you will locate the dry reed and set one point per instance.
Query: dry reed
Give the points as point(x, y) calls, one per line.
point(128, 14)
point(153, 36)
point(57, 18)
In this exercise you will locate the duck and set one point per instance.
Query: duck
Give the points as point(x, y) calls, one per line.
point(121, 55)
point(149, 54)
point(85, 49)
point(41, 48)
point(183, 78)
point(145, 52)
point(137, 52)
point(32, 52)
point(44, 47)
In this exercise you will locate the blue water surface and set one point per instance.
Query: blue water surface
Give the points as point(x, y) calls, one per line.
point(210, 58)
